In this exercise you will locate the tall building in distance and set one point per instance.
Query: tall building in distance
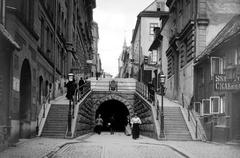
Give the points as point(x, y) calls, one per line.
point(144, 61)
point(124, 64)
point(41, 42)
point(96, 61)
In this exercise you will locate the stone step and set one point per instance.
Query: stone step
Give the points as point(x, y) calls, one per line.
point(56, 123)
point(177, 131)
point(53, 135)
point(55, 131)
point(54, 127)
point(174, 124)
point(51, 118)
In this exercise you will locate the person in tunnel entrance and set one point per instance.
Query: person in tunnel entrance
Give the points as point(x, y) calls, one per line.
point(111, 124)
point(128, 130)
point(99, 124)
point(135, 122)
point(114, 108)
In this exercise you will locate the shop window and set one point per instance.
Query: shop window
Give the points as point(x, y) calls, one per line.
point(206, 106)
point(215, 104)
point(216, 66)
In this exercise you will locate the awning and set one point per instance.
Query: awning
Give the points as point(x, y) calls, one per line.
point(8, 37)
point(156, 43)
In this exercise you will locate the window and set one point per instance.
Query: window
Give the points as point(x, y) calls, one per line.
point(153, 57)
point(238, 56)
point(222, 104)
point(206, 106)
point(230, 58)
point(152, 26)
point(183, 56)
point(197, 107)
point(215, 104)
point(42, 34)
point(216, 66)
point(2, 10)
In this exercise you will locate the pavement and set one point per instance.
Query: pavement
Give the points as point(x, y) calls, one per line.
point(116, 146)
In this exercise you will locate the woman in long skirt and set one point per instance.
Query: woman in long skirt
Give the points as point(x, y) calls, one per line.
point(128, 130)
point(135, 122)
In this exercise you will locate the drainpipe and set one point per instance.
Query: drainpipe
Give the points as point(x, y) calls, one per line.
point(54, 64)
point(140, 52)
point(195, 39)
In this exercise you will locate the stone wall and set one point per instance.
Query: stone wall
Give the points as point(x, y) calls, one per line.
point(86, 117)
point(133, 102)
point(144, 111)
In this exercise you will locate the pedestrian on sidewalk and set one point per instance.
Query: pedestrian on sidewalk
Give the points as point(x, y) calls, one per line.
point(111, 124)
point(99, 124)
point(128, 130)
point(135, 122)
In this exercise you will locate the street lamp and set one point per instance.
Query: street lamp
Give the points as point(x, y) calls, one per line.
point(162, 89)
point(69, 89)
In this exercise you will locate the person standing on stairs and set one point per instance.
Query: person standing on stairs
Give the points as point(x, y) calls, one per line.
point(71, 87)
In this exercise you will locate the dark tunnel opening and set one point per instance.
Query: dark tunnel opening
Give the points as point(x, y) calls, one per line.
point(116, 109)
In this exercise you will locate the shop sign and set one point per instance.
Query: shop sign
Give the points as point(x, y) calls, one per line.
point(222, 83)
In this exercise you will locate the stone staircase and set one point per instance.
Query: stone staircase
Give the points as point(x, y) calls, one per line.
point(174, 124)
point(56, 123)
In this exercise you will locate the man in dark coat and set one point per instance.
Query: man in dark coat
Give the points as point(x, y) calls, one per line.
point(71, 87)
point(80, 84)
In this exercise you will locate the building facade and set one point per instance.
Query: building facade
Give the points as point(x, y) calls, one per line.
point(46, 47)
point(192, 26)
point(95, 71)
point(217, 84)
point(144, 61)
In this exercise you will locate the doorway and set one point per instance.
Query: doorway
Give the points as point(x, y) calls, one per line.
point(235, 116)
point(116, 109)
point(25, 100)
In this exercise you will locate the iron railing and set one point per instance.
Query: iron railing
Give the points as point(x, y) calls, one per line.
point(193, 118)
point(145, 91)
point(43, 114)
point(79, 93)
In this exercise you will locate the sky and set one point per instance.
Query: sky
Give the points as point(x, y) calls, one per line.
point(116, 20)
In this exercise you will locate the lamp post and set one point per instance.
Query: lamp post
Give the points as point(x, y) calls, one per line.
point(162, 81)
point(69, 88)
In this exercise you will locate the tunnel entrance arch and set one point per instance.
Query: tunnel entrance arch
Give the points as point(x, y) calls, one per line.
point(117, 102)
point(117, 110)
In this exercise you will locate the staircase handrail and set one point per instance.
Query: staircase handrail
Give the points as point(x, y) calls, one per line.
point(78, 95)
point(196, 123)
point(199, 131)
point(42, 113)
point(142, 89)
point(86, 87)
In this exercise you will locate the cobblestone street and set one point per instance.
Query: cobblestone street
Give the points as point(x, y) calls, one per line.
point(116, 146)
